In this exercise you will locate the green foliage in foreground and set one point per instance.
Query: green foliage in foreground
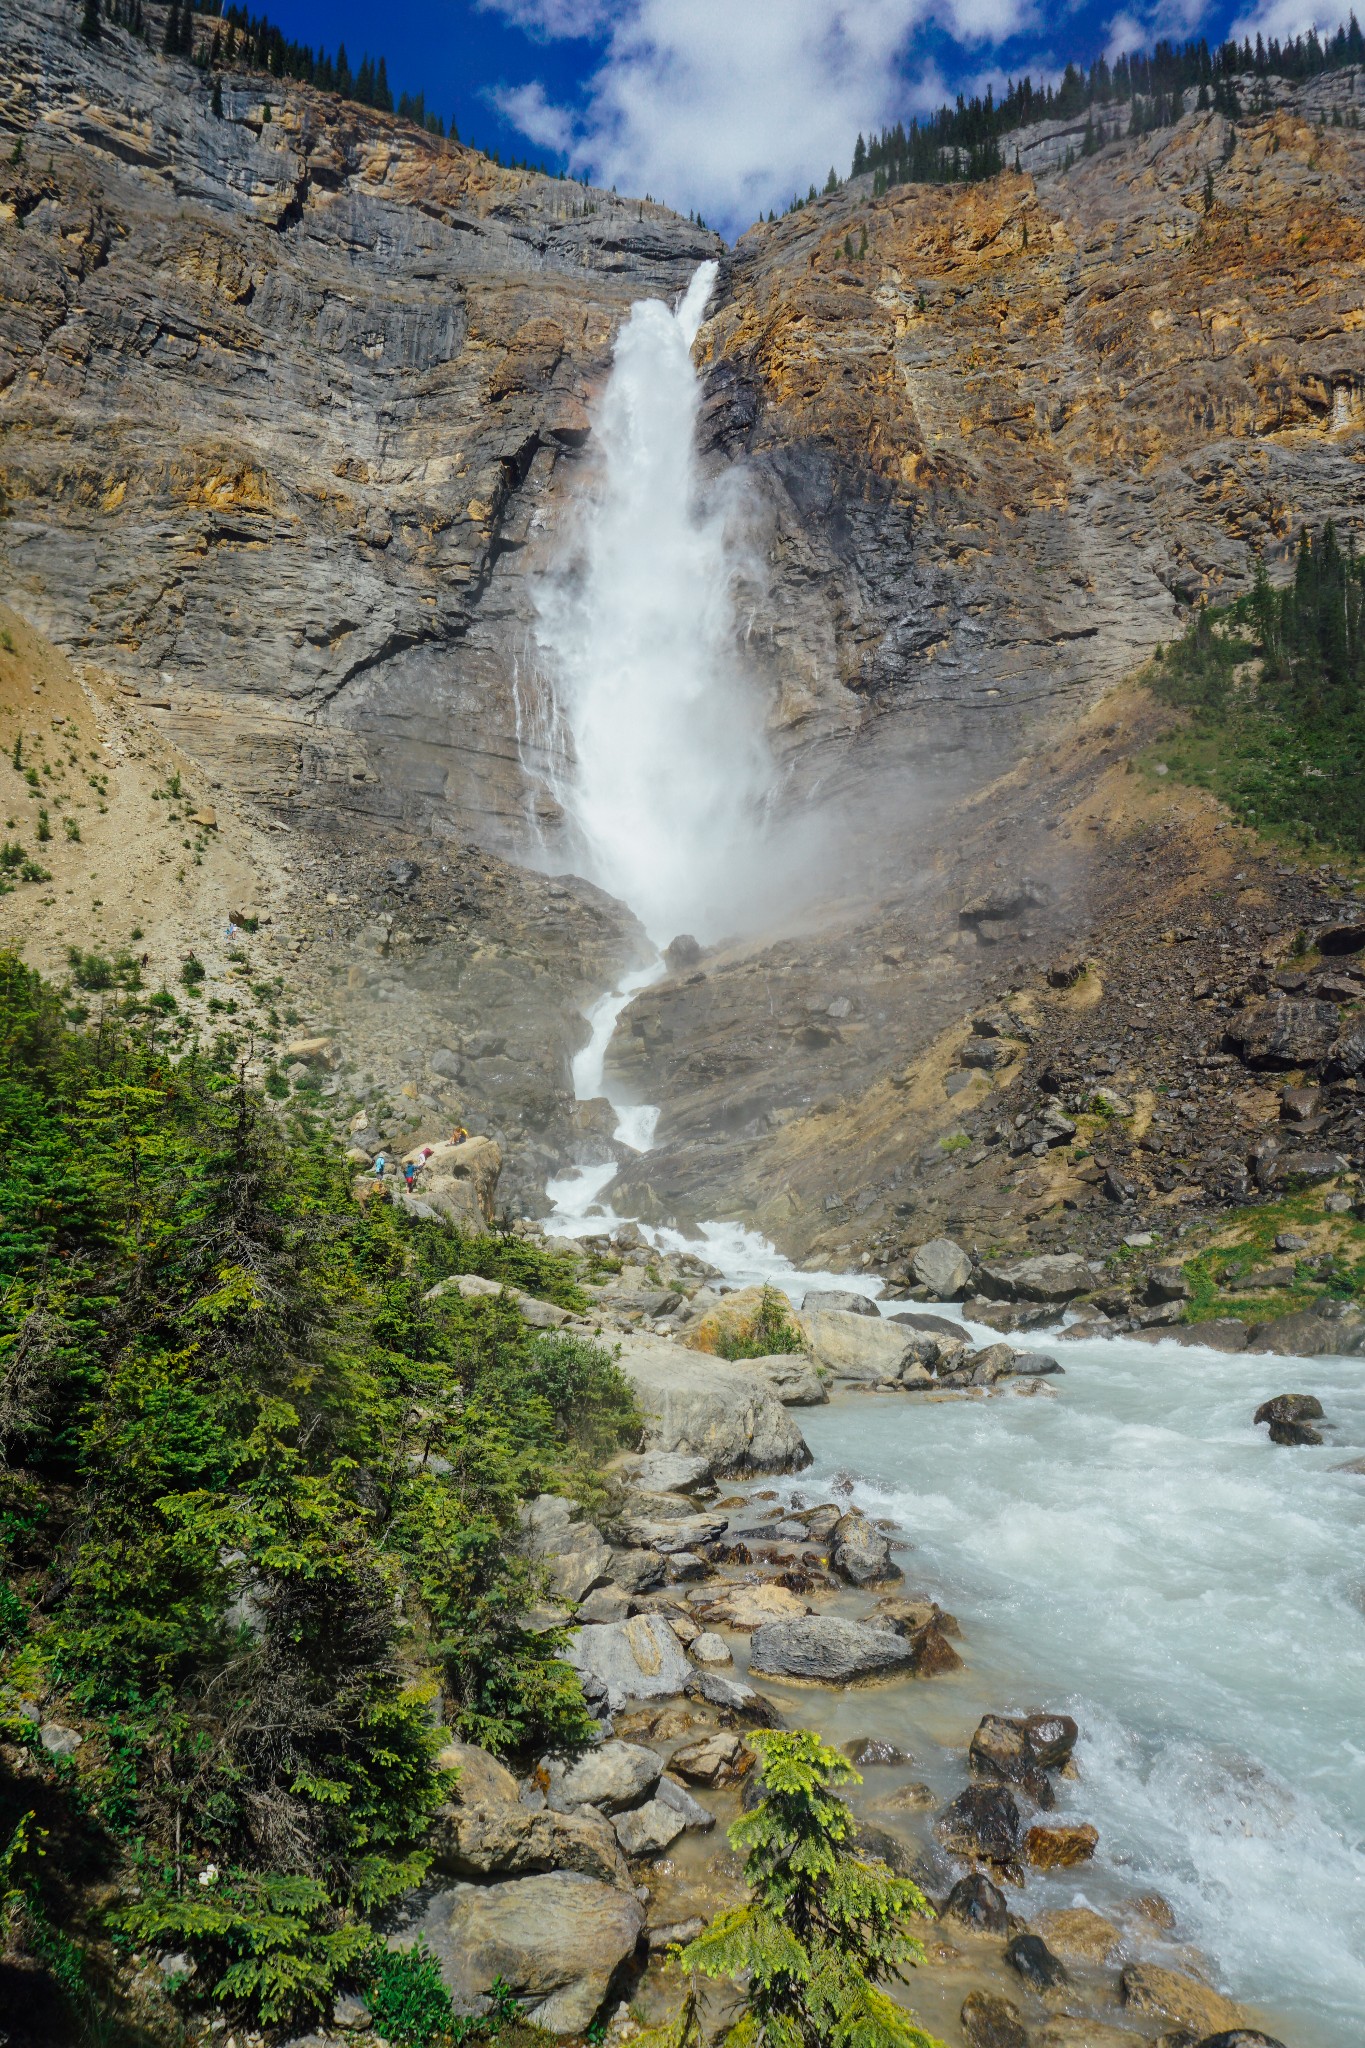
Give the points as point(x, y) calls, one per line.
point(766, 1333)
point(1275, 685)
point(256, 1494)
point(824, 1928)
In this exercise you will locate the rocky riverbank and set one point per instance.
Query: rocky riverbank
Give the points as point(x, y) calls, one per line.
point(705, 1608)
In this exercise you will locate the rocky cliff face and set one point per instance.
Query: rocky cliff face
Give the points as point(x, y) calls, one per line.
point(283, 395)
point(294, 406)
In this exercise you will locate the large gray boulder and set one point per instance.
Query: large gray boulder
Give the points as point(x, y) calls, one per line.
point(611, 1777)
point(1053, 1276)
point(638, 1659)
point(649, 1829)
point(707, 1407)
point(943, 1267)
point(483, 1831)
point(862, 1347)
point(556, 1941)
point(794, 1379)
point(824, 1298)
point(827, 1649)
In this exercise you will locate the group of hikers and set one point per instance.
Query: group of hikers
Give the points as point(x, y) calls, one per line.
point(412, 1167)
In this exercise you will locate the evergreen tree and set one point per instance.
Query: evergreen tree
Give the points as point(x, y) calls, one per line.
point(859, 157)
point(170, 41)
point(90, 21)
point(216, 103)
point(824, 1928)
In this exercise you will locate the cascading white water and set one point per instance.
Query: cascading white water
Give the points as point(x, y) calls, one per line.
point(668, 771)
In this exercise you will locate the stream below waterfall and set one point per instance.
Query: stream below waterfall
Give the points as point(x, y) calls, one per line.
point(1127, 1547)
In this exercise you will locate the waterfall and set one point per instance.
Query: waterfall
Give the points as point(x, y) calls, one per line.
point(665, 772)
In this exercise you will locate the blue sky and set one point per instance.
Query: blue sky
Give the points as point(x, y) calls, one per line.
point(727, 107)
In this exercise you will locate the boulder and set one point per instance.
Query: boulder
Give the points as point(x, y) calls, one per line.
point(605, 1603)
point(577, 1559)
point(943, 1267)
point(733, 1696)
point(1300, 1335)
point(976, 1905)
point(1030, 1955)
point(981, 1823)
point(1078, 1935)
point(1289, 1408)
point(460, 1181)
point(795, 1381)
point(1282, 1033)
point(926, 1630)
point(1240, 2037)
point(1052, 1276)
point(866, 1752)
point(638, 1659)
point(500, 1838)
point(707, 1408)
point(912, 1798)
point(1168, 1995)
point(720, 1759)
point(669, 1471)
point(710, 1649)
point(636, 1570)
point(861, 1553)
point(611, 1777)
point(829, 1650)
point(856, 1347)
point(1294, 1433)
point(1166, 1283)
point(556, 1941)
point(649, 1829)
point(841, 1299)
point(991, 2022)
point(1060, 1846)
point(694, 1814)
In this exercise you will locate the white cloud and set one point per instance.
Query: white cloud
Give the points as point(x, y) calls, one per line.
point(537, 117)
point(730, 106)
point(1284, 19)
point(555, 20)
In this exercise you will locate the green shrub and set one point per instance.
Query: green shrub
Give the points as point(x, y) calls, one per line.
point(258, 1498)
point(768, 1331)
point(192, 970)
point(406, 1994)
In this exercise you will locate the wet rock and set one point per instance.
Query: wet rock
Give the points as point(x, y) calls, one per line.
point(720, 1759)
point(1030, 1955)
point(1078, 1935)
point(819, 1523)
point(830, 1650)
point(992, 2022)
point(865, 1752)
point(861, 1554)
point(943, 1267)
point(1289, 1408)
point(1166, 1994)
point(1051, 1738)
point(1052, 1276)
point(611, 1777)
point(842, 1300)
point(1005, 1749)
point(649, 1829)
point(675, 1934)
point(926, 1629)
point(1220, 1333)
point(913, 1798)
point(976, 1905)
point(1240, 2037)
point(749, 1708)
point(705, 1407)
point(876, 1845)
point(638, 1659)
point(1068, 2032)
point(556, 1941)
point(697, 1818)
point(1294, 1433)
point(1057, 1848)
point(982, 1822)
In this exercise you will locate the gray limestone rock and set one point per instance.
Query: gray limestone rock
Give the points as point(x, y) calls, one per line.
point(943, 1267)
point(829, 1650)
point(650, 1829)
point(612, 1777)
point(557, 1942)
point(705, 1407)
point(638, 1659)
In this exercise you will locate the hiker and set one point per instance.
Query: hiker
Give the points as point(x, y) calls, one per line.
point(409, 1173)
point(459, 1135)
point(379, 1166)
